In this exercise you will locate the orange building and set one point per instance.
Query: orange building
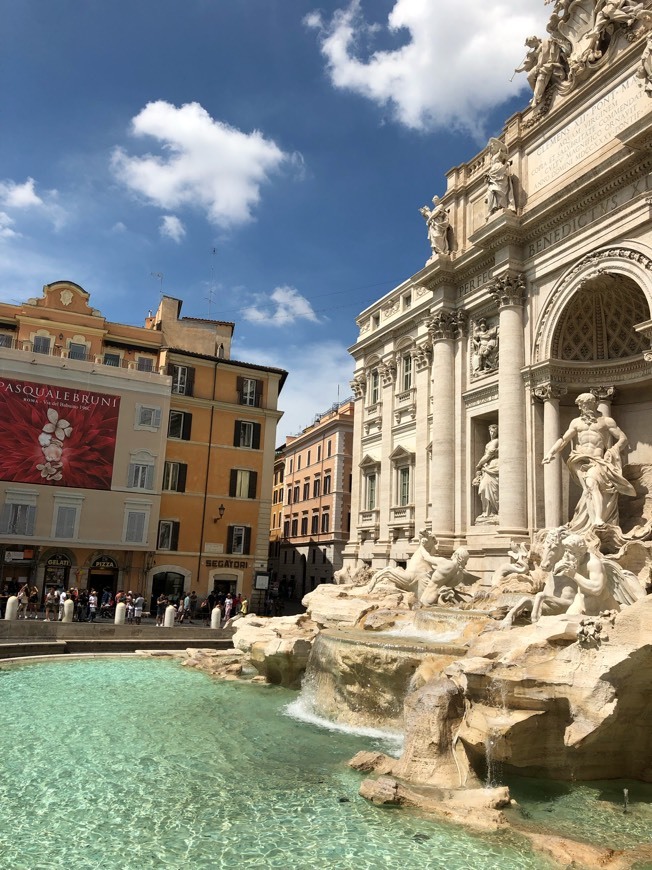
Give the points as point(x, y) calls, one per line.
point(312, 515)
point(131, 457)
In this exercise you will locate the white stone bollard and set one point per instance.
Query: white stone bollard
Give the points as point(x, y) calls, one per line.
point(12, 608)
point(68, 610)
point(216, 618)
point(170, 614)
point(120, 611)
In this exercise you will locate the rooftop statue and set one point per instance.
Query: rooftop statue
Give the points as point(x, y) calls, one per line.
point(595, 463)
point(542, 64)
point(438, 226)
point(580, 580)
point(500, 186)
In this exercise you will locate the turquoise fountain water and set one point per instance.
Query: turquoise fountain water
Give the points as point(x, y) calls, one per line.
point(113, 764)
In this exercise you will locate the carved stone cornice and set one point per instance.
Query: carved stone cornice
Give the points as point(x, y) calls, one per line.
point(481, 396)
point(508, 290)
point(548, 392)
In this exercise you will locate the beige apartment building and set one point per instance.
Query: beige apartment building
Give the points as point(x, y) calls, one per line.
point(132, 457)
point(312, 513)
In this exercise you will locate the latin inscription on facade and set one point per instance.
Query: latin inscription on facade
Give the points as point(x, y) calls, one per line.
point(475, 283)
point(592, 130)
point(582, 220)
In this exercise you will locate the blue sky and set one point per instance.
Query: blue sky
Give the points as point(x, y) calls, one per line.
point(268, 155)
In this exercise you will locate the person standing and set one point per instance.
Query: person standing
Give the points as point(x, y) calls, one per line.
point(192, 605)
point(23, 599)
point(244, 607)
point(139, 604)
point(33, 602)
point(62, 600)
point(161, 604)
point(92, 605)
point(228, 607)
point(50, 604)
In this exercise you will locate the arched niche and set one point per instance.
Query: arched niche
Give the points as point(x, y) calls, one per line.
point(604, 295)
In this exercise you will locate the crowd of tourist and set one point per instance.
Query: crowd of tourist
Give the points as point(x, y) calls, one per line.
point(89, 605)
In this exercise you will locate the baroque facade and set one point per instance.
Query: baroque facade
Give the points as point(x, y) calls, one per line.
point(541, 293)
point(132, 457)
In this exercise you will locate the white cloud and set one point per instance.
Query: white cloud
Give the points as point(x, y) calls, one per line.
point(453, 67)
point(21, 197)
point(205, 163)
point(288, 306)
point(315, 371)
point(119, 228)
point(5, 227)
point(172, 228)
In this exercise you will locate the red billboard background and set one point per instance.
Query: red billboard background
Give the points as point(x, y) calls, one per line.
point(57, 435)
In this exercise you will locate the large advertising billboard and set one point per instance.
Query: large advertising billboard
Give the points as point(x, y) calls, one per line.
point(57, 435)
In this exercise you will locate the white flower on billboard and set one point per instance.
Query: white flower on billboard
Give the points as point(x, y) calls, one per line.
point(51, 440)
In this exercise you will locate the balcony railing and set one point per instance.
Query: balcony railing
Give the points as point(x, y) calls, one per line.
point(58, 352)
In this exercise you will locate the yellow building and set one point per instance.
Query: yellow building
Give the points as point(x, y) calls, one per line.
point(131, 457)
point(311, 518)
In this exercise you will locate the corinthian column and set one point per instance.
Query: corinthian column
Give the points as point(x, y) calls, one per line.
point(443, 328)
point(550, 394)
point(509, 292)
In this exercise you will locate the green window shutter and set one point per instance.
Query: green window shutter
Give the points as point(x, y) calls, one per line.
point(256, 440)
point(247, 541)
point(253, 480)
point(187, 426)
point(236, 433)
point(181, 477)
point(233, 483)
point(190, 381)
point(174, 543)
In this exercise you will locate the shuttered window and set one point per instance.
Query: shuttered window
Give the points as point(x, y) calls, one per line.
point(243, 483)
point(239, 540)
point(246, 434)
point(135, 531)
point(17, 519)
point(65, 525)
point(168, 535)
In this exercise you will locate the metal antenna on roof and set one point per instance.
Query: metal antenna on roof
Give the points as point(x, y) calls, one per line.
point(211, 289)
point(158, 275)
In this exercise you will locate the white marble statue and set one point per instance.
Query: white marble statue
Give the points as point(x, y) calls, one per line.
point(519, 563)
point(416, 572)
point(644, 69)
point(580, 580)
point(595, 463)
point(484, 344)
point(445, 579)
point(542, 65)
point(500, 186)
point(486, 478)
point(438, 226)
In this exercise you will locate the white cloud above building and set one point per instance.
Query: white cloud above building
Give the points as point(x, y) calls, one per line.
point(283, 307)
point(203, 163)
point(453, 64)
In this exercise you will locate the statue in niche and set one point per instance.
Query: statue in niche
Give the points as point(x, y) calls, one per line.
point(595, 463)
point(484, 343)
point(438, 226)
point(616, 12)
point(580, 580)
point(443, 584)
point(500, 184)
point(543, 64)
point(416, 572)
point(486, 479)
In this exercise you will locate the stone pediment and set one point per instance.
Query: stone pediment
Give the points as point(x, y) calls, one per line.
point(400, 453)
point(369, 461)
point(65, 296)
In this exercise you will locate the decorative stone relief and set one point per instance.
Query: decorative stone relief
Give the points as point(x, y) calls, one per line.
point(66, 297)
point(358, 385)
point(438, 226)
point(391, 308)
point(644, 69)
point(387, 370)
point(509, 290)
point(365, 327)
point(484, 345)
point(500, 184)
point(447, 324)
point(604, 394)
point(548, 392)
point(420, 291)
point(595, 259)
point(422, 357)
point(581, 34)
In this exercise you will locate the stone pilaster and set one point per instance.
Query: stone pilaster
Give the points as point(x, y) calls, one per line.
point(444, 327)
point(358, 385)
point(387, 370)
point(422, 358)
point(509, 292)
point(550, 394)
